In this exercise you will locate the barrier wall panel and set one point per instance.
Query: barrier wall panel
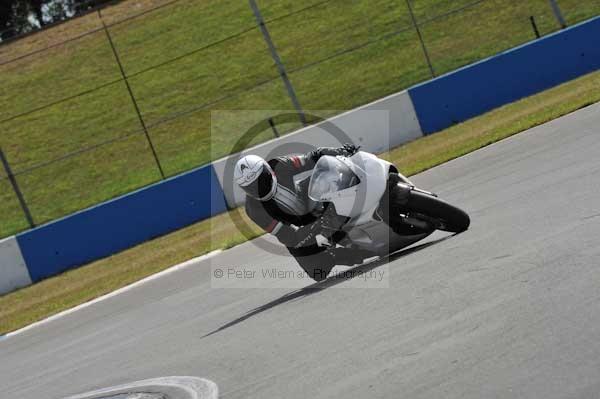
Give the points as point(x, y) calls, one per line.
point(376, 127)
point(121, 223)
point(507, 77)
point(13, 271)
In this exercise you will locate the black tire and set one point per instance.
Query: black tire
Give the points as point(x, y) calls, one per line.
point(453, 219)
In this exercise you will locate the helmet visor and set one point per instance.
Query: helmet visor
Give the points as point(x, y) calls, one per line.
point(260, 187)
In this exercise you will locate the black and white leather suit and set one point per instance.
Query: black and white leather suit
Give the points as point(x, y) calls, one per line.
point(287, 215)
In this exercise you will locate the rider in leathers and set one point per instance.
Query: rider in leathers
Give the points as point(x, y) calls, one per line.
point(277, 201)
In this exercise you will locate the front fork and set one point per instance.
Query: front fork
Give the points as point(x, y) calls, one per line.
point(419, 220)
point(402, 189)
point(424, 192)
point(411, 187)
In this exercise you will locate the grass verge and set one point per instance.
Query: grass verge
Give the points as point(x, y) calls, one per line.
point(69, 289)
point(204, 55)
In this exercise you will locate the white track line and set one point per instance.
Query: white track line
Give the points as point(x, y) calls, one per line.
point(172, 269)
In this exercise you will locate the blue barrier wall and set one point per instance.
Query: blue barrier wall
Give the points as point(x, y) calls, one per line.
point(121, 223)
point(507, 77)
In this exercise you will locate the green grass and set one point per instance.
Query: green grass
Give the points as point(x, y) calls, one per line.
point(76, 286)
point(222, 77)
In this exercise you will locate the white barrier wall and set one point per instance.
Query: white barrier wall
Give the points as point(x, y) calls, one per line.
point(13, 270)
point(376, 127)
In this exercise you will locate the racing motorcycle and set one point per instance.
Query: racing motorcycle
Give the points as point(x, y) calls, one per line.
point(381, 210)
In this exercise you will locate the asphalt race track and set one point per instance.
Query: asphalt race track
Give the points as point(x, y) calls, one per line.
point(510, 308)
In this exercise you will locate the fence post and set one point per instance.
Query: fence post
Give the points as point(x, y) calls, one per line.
point(133, 100)
point(272, 124)
point(15, 186)
point(534, 26)
point(558, 13)
point(414, 21)
point(275, 55)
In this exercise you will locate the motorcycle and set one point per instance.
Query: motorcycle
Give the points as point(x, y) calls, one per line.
point(381, 210)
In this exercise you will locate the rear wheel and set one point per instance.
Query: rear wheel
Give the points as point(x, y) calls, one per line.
point(437, 212)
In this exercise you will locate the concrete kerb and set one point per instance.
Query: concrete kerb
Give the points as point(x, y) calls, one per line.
point(172, 387)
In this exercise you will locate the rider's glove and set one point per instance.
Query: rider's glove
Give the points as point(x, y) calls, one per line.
point(350, 149)
point(345, 150)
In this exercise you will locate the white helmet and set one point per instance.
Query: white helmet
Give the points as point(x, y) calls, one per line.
point(254, 175)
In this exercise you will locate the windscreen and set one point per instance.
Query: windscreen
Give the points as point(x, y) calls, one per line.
point(329, 176)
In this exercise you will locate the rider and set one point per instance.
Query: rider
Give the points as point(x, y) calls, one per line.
point(277, 201)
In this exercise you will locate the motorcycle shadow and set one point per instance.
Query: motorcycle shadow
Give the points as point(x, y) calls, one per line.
point(329, 282)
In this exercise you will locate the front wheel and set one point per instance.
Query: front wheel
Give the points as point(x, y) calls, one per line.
point(445, 216)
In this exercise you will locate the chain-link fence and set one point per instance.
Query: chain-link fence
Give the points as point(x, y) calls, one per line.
point(121, 98)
